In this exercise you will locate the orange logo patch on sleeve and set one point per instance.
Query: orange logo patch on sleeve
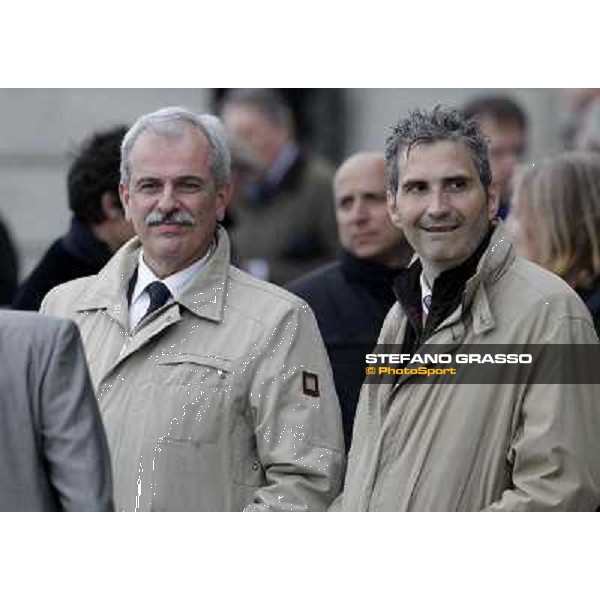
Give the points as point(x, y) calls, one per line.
point(310, 384)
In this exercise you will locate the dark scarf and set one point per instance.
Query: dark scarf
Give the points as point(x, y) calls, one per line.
point(80, 242)
point(376, 278)
point(447, 293)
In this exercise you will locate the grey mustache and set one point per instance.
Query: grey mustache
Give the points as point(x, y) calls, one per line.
point(177, 217)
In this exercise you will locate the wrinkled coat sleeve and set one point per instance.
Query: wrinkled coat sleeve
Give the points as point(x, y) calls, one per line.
point(72, 435)
point(555, 453)
point(297, 418)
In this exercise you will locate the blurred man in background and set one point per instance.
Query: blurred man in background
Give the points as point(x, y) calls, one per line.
point(587, 136)
point(504, 123)
point(352, 296)
point(576, 102)
point(284, 221)
point(98, 227)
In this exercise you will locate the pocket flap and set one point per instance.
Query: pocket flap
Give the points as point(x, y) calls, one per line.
point(217, 363)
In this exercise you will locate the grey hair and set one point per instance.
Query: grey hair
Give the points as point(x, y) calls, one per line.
point(269, 102)
point(169, 122)
point(427, 127)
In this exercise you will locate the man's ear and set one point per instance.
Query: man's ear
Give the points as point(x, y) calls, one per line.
point(493, 201)
point(223, 199)
point(392, 208)
point(124, 196)
point(111, 207)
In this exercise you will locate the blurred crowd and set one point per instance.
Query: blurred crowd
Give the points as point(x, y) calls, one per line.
point(283, 220)
point(326, 232)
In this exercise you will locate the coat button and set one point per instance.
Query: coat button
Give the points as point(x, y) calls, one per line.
point(255, 466)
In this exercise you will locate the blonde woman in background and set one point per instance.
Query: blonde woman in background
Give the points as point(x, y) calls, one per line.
point(555, 220)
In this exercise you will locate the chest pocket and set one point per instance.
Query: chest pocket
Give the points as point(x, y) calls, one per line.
point(190, 398)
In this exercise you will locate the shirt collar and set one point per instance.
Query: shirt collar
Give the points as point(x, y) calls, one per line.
point(175, 283)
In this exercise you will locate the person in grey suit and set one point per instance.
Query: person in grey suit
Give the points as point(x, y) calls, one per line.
point(53, 449)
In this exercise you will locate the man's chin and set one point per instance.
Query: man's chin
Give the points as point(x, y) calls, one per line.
point(168, 246)
point(364, 253)
point(445, 260)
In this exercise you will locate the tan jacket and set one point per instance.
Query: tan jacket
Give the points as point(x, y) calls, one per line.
point(222, 400)
point(423, 447)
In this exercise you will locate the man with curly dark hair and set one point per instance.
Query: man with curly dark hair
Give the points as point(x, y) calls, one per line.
point(98, 227)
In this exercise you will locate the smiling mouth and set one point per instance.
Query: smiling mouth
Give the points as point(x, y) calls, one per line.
point(440, 228)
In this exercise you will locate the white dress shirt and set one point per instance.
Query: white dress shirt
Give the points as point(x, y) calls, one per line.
point(140, 300)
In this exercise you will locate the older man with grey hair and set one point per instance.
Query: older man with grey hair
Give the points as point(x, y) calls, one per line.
point(214, 387)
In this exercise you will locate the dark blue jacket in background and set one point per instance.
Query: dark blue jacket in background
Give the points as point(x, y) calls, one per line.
point(350, 299)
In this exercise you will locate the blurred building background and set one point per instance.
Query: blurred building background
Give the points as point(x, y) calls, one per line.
point(40, 127)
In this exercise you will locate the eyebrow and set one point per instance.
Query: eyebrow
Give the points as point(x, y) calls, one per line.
point(179, 179)
point(448, 179)
point(408, 182)
point(454, 178)
point(190, 178)
point(369, 195)
point(376, 195)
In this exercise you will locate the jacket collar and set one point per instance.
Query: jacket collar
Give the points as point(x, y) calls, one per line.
point(204, 295)
point(497, 258)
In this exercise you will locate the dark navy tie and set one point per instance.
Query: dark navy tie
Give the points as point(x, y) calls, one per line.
point(159, 294)
point(427, 302)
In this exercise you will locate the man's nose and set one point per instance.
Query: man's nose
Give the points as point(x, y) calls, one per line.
point(438, 203)
point(359, 212)
point(167, 200)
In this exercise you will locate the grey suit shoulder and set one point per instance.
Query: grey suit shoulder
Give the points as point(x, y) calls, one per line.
point(52, 443)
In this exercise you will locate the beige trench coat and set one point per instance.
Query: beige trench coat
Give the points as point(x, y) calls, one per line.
point(222, 400)
point(426, 447)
